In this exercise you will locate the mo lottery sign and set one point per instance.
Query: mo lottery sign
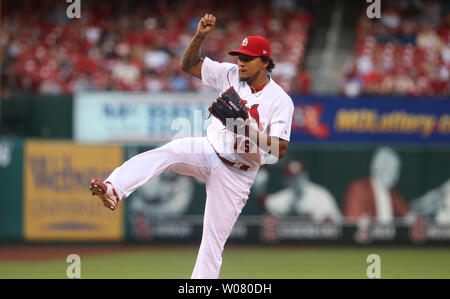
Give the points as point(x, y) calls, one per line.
point(371, 119)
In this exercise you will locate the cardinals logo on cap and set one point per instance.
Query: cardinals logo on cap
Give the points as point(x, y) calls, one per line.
point(253, 46)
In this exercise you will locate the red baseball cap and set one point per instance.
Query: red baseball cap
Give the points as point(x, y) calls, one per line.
point(253, 46)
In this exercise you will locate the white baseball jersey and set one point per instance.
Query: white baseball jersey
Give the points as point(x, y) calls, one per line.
point(227, 187)
point(271, 107)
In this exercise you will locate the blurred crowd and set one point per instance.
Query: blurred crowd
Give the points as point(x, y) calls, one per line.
point(405, 52)
point(137, 45)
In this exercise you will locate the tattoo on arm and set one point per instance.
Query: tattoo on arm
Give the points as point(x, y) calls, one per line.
point(191, 55)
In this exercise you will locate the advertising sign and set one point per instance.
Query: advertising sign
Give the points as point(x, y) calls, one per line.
point(139, 117)
point(367, 119)
point(58, 205)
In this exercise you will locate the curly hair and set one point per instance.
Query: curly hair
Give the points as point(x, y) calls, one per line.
point(271, 65)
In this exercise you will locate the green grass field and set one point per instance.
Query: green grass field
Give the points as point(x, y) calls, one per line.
point(246, 262)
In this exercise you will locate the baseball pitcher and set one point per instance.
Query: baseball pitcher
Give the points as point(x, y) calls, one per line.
point(251, 126)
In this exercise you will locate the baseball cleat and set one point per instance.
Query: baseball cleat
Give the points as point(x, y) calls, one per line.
point(106, 193)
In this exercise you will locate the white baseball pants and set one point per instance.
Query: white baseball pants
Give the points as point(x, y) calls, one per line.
point(227, 190)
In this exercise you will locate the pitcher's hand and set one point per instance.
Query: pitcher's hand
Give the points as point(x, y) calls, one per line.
point(206, 24)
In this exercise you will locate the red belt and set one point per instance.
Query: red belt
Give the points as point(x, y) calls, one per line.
point(233, 164)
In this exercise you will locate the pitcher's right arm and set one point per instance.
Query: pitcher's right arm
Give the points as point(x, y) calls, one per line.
point(191, 62)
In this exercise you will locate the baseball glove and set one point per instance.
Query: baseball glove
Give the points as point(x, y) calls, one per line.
point(229, 105)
